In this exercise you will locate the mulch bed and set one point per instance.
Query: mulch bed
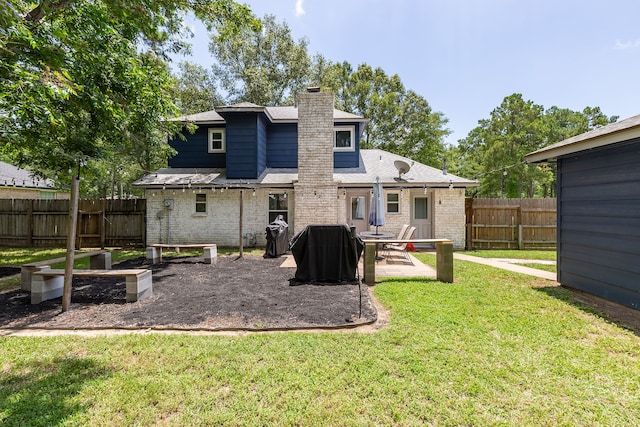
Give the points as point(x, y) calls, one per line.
point(251, 292)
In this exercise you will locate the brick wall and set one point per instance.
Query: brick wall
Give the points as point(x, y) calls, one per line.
point(219, 225)
point(448, 215)
point(316, 200)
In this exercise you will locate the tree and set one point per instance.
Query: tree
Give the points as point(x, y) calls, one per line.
point(494, 151)
point(196, 89)
point(88, 80)
point(262, 65)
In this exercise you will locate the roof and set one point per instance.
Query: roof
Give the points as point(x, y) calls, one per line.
point(13, 176)
point(373, 164)
point(623, 130)
point(279, 114)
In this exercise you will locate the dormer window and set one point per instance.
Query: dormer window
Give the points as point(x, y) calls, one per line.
point(344, 139)
point(217, 142)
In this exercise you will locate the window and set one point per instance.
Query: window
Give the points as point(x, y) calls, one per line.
point(393, 203)
point(217, 143)
point(278, 205)
point(344, 138)
point(357, 207)
point(201, 203)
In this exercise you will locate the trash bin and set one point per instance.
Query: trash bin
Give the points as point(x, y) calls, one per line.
point(326, 253)
point(277, 234)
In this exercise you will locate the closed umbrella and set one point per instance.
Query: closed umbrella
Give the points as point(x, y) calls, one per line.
point(376, 213)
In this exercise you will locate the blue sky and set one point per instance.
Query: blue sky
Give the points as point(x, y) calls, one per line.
point(465, 56)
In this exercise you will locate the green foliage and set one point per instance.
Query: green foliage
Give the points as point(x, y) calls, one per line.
point(196, 89)
point(87, 84)
point(494, 151)
point(401, 121)
point(262, 65)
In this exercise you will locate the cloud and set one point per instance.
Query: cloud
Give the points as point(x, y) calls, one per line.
point(627, 45)
point(299, 8)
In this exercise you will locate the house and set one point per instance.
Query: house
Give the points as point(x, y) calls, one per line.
point(246, 164)
point(598, 193)
point(16, 183)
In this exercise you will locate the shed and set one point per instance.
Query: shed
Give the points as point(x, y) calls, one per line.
point(598, 193)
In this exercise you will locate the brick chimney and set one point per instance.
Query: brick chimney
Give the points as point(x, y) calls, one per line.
point(316, 194)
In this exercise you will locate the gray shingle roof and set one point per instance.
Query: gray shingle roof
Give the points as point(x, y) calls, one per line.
point(13, 176)
point(287, 114)
point(615, 132)
point(373, 164)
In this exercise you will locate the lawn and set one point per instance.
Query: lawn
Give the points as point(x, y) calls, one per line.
point(493, 348)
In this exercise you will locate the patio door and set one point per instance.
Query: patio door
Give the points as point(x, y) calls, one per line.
point(421, 216)
point(358, 210)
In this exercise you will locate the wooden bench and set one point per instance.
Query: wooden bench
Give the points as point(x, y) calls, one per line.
point(444, 257)
point(210, 250)
point(48, 283)
point(98, 260)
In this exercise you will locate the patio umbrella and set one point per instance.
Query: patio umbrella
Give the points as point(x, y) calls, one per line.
point(376, 213)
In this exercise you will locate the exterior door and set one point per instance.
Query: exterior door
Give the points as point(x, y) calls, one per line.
point(421, 216)
point(358, 210)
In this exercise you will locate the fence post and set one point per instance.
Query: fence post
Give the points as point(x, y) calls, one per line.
point(520, 238)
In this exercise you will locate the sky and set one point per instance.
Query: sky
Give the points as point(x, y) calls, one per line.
point(465, 56)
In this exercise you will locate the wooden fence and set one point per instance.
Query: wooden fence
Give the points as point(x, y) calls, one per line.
point(511, 223)
point(45, 223)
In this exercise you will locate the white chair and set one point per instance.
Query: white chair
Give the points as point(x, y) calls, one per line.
point(401, 247)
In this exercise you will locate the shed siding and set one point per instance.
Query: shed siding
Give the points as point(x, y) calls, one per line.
point(599, 222)
point(193, 153)
point(282, 146)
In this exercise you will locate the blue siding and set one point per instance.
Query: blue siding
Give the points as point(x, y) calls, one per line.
point(242, 145)
point(599, 222)
point(348, 159)
point(193, 153)
point(262, 143)
point(282, 146)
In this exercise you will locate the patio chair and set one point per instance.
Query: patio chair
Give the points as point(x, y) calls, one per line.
point(401, 247)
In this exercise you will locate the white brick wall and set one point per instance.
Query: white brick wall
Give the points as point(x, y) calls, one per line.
point(449, 216)
point(220, 224)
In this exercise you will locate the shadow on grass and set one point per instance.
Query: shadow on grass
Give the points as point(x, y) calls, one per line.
point(620, 315)
point(44, 393)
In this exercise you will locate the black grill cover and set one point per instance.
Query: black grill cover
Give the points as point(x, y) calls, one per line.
point(277, 235)
point(326, 253)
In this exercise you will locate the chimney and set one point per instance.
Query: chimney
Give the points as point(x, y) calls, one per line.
point(315, 192)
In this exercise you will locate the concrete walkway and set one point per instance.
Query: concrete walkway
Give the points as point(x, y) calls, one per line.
point(511, 265)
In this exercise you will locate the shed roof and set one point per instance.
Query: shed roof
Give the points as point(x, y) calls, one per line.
point(623, 130)
point(373, 164)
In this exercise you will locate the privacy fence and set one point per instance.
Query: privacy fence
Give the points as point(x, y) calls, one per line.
point(44, 223)
point(511, 223)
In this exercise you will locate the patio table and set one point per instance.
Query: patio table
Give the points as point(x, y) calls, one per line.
point(376, 236)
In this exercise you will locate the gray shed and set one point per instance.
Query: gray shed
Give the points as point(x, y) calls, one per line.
point(598, 193)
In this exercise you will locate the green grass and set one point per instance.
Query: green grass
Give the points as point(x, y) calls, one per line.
point(492, 348)
point(512, 253)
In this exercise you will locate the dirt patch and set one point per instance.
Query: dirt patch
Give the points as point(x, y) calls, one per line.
point(249, 293)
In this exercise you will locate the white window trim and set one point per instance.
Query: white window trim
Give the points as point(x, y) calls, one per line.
point(224, 140)
point(395, 202)
point(351, 129)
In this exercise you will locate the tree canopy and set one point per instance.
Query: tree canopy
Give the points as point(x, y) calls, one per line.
point(84, 82)
point(494, 151)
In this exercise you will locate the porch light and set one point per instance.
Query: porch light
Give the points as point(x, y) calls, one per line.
point(425, 189)
point(164, 187)
point(285, 195)
point(183, 189)
point(254, 193)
